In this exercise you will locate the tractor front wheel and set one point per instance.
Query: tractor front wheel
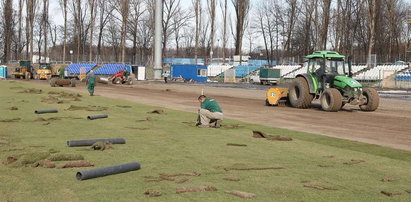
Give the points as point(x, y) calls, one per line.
point(373, 100)
point(331, 100)
point(299, 94)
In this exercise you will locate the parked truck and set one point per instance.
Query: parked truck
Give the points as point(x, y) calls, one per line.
point(269, 76)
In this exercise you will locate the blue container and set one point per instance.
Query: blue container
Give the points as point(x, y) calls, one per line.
point(196, 72)
point(3, 72)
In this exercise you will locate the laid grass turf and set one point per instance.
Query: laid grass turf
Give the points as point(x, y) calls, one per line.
point(167, 144)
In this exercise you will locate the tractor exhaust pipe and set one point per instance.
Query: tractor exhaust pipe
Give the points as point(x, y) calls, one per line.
point(111, 170)
point(349, 66)
point(80, 143)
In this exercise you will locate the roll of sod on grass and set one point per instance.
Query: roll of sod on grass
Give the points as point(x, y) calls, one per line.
point(100, 116)
point(46, 111)
point(111, 170)
point(81, 143)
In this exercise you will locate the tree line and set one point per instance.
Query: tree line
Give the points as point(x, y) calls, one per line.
point(276, 30)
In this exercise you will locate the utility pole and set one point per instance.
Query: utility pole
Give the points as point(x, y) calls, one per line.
point(157, 39)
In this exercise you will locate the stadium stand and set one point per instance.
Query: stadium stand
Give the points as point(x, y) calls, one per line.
point(380, 72)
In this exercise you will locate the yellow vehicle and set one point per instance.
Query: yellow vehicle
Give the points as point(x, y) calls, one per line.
point(24, 71)
point(276, 96)
point(44, 71)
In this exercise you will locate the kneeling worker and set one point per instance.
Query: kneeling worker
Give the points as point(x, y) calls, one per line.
point(209, 111)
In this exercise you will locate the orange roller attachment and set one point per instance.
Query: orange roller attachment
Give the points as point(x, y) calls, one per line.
point(276, 96)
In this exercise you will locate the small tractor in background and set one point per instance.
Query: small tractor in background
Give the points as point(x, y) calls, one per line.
point(24, 71)
point(121, 77)
point(329, 80)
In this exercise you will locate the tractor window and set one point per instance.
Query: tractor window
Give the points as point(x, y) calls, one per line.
point(335, 66)
point(314, 65)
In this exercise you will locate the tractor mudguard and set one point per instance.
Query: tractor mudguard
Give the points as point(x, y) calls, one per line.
point(311, 85)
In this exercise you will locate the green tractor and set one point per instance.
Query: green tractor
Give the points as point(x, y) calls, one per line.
point(329, 79)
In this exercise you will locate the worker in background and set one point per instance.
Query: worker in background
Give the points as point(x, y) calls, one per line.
point(165, 76)
point(91, 81)
point(209, 114)
point(61, 72)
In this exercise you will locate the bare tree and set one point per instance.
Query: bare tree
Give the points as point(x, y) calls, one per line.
point(225, 11)
point(104, 15)
point(20, 22)
point(212, 10)
point(31, 8)
point(45, 22)
point(372, 13)
point(124, 10)
point(93, 7)
point(7, 28)
point(242, 8)
point(171, 8)
point(136, 11)
point(197, 8)
point(63, 5)
point(326, 21)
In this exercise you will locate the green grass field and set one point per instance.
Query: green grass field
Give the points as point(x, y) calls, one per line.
point(351, 171)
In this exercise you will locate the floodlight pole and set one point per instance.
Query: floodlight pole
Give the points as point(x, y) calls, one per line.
point(157, 39)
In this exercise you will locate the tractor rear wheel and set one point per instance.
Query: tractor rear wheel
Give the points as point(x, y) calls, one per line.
point(373, 100)
point(331, 100)
point(299, 94)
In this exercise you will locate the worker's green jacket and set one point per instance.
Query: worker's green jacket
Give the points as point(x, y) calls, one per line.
point(211, 105)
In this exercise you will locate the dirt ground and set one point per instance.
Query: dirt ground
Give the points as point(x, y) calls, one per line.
point(389, 126)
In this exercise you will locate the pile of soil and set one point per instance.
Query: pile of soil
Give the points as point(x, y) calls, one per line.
point(180, 190)
point(44, 164)
point(353, 161)
point(136, 128)
point(65, 95)
point(147, 119)
point(263, 168)
point(157, 111)
point(29, 158)
point(387, 180)
point(241, 194)
point(232, 179)
point(101, 146)
point(10, 120)
point(389, 193)
point(318, 187)
point(259, 134)
point(123, 106)
point(51, 100)
point(66, 157)
point(171, 177)
point(235, 126)
point(32, 91)
point(152, 193)
point(238, 145)
point(14, 108)
point(87, 108)
point(60, 97)
point(77, 164)
point(57, 118)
